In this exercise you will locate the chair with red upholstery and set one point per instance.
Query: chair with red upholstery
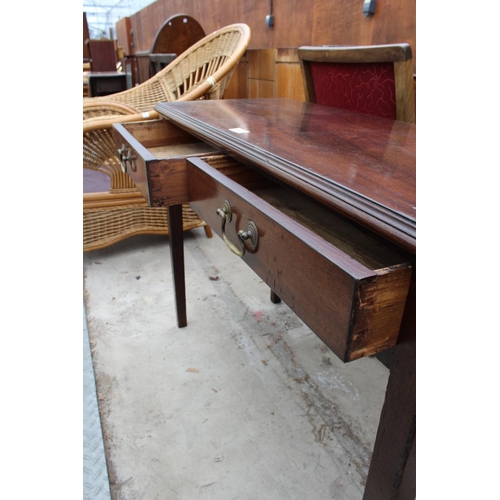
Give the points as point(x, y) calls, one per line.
point(375, 79)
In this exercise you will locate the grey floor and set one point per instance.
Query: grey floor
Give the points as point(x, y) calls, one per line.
point(95, 471)
point(244, 403)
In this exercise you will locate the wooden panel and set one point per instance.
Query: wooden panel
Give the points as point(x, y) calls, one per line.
point(102, 55)
point(289, 81)
point(288, 75)
point(261, 72)
point(405, 91)
point(123, 36)
point(287, 55)
point(142, 65)
point(260, 88)
point(340, 22)
point(130, 65)
point(238, 86)
point(297, 22)
point(385, 30)
point(261, 64)
point(293, 23)
point(176, 35)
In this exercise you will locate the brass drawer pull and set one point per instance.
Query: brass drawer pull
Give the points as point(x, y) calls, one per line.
point(125, 154)
point(251, 234)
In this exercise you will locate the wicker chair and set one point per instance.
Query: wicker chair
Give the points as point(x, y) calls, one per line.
point(201, 72)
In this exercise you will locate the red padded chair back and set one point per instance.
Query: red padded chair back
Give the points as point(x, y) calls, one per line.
point(371, 79)
point(363, 87)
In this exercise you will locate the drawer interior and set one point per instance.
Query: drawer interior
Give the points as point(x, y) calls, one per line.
point(165, 140)
point(354, 240)
point(180, 149)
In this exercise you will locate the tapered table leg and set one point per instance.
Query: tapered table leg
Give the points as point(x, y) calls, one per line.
point(392, 468)
point(176, 238)
point(392, 474)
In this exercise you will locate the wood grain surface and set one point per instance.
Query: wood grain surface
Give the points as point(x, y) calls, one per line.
point(361, 165)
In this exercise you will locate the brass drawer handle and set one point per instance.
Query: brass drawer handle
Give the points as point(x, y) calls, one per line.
point(251, 234)
point(125, 154)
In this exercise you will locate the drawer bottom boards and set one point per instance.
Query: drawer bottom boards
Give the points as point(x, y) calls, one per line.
point(347, 285)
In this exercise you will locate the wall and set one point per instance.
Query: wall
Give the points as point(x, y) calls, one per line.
point(271, 66)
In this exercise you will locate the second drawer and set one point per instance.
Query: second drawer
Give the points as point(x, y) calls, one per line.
point(348, 286)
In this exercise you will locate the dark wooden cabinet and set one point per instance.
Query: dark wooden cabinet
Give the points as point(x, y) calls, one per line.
point(102, 55)
point(106, 82)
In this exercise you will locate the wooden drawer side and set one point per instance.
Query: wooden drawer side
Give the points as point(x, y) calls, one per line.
point(377, 320)
point(157, 151)
point(139, 157)
point(167, 179)
point(155, 133)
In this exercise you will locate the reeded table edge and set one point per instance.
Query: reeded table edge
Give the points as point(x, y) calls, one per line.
point(363, 210)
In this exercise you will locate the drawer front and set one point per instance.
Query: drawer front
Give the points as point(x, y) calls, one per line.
point(153, 154)
point(354, 310)
point(135, 158)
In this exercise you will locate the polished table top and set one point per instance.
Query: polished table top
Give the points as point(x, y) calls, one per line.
point(361, 165)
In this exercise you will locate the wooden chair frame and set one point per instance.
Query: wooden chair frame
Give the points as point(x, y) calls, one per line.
point(399, 54)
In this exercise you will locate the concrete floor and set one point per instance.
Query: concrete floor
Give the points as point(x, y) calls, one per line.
point(244, 403)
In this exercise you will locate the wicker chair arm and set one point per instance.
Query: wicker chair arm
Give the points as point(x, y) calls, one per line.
point(93, 109)
point(102, 122)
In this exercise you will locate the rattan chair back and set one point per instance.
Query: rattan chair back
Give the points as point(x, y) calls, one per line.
point(202, 71)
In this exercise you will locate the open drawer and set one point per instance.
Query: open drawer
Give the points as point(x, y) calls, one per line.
point(347, 285)
point(153, 153)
